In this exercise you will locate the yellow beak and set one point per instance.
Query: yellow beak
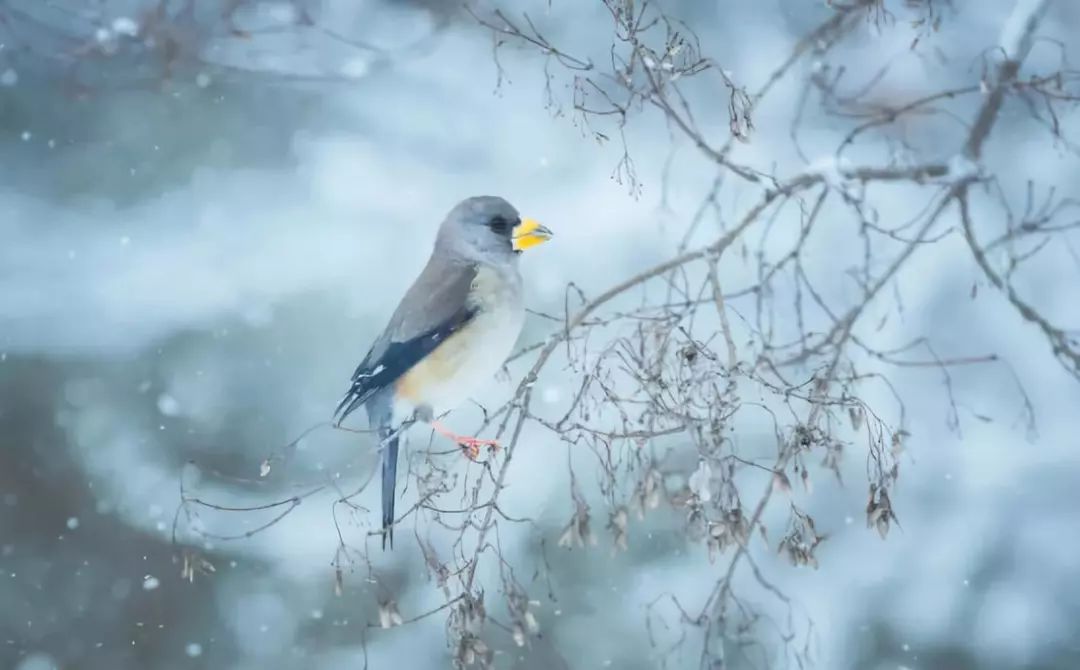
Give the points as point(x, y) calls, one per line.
point(529, 233)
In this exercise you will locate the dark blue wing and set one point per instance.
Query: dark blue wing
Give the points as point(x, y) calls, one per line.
point(377, 373)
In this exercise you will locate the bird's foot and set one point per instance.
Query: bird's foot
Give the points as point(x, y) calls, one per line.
point(470, 446)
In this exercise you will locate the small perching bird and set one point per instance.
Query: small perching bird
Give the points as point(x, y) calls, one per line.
point(450, 334)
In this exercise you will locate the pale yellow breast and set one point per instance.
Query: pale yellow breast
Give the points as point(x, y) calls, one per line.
point(438, 369)
point(467, 360)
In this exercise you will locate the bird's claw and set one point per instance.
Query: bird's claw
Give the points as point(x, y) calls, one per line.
point(470, 446)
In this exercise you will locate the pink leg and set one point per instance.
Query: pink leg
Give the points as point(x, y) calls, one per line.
point(470, 445)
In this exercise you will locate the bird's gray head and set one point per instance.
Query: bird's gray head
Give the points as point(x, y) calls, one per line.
point(487, 228)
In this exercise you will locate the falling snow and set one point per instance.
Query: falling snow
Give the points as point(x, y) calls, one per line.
point(168, 405)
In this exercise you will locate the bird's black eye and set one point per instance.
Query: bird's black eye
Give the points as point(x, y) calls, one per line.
point(500, 225)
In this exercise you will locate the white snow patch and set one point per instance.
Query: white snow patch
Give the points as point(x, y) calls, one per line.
point(282, 12)
point(124, 25)
point(168, 405)
point(700, 480)
point(356, 68)
point(962, 167)
point(1016, 30)
point(832, 171)
point(37, 662)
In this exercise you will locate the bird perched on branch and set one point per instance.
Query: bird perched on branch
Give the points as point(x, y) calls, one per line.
point(450, 334)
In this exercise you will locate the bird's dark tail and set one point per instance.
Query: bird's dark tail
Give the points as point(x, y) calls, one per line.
point(389, 441)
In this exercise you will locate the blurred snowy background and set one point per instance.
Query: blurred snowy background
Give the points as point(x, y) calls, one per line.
point(190, 269)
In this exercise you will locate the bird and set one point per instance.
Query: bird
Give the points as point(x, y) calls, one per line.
point(452, 331)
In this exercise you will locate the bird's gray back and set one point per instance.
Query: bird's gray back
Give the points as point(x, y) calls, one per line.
point(439, 293)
